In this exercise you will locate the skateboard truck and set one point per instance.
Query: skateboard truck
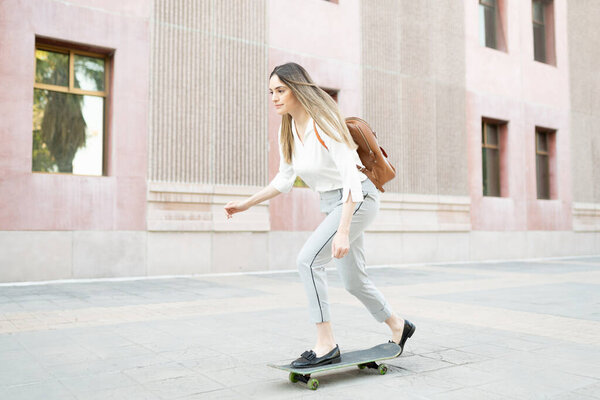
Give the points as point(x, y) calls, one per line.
point(313, 383)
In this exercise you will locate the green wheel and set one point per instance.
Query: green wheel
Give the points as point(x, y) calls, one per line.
point(313, 384)
point(383, 369)
point(293, 377)
point(362, 366)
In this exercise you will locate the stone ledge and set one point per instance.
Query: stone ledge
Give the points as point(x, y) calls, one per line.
point(422, 213)
point(586, 217)
point(184, 207)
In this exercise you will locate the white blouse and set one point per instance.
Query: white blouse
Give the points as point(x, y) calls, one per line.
point(320, 168)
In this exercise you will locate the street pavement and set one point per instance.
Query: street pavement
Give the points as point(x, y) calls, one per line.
point(493, 330)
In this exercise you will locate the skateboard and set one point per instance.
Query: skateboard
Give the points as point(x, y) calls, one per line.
point(362, 358)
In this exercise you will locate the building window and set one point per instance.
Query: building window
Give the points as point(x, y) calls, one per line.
point(544, 145)
point(69, 103)
point(543, 31)
point(490, 152)
point(491, 32)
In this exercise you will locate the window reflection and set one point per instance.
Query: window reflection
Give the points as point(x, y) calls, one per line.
point(89, 73)
point(67, 133)
point(51, 67)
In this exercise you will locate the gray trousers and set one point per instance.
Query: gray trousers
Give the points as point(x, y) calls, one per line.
point(316, 253)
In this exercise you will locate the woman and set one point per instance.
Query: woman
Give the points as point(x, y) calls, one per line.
point(315, 143)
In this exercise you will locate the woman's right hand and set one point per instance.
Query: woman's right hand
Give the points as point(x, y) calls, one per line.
point(235, 207)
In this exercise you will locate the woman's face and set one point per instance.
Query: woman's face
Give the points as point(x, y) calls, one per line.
point(283, 98)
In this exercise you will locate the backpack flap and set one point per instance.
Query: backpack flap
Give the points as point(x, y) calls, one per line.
point(377, 167)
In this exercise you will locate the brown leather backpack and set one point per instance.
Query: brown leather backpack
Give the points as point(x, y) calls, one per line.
point(377, 167)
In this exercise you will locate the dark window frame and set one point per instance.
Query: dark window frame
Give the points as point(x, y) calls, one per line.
point(545, 190)
point(487, 147)
point(502, 190)
point(497, 8)
point(544, 50)
point(46, 44)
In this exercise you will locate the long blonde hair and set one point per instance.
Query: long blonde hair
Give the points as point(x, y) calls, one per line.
point(317, 103)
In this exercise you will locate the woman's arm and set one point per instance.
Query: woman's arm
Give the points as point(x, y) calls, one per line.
point(341, 241)
point(266, 193)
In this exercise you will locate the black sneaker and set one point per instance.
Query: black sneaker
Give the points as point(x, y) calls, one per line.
point(309, 359)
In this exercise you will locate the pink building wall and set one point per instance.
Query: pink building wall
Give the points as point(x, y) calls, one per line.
point(40, 201)
point(511, 86)
point(325, 39)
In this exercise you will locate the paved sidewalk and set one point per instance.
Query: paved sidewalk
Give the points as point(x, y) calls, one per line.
point(513, 330)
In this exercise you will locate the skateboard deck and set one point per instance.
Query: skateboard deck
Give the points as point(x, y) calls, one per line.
point(362, 358)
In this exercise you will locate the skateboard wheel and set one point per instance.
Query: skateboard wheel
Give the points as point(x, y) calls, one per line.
point(313, 384)
point(293, 377)
point(383, 369)
point(362, 366)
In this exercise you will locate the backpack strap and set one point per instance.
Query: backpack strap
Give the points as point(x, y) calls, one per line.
point(319, 137)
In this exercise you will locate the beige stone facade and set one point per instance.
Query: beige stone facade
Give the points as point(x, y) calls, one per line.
point(197, 128)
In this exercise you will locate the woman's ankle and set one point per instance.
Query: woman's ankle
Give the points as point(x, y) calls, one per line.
point(323, 348)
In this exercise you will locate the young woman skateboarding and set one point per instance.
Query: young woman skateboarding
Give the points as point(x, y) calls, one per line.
point(327, 164)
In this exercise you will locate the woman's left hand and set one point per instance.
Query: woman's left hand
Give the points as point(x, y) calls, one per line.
point(341, 245)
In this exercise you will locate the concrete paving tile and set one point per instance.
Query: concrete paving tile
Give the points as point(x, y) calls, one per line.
point(534, 360)
point(236, 376)
point(456, 357)
point(421, 347)
point(566, 381)
point(38, 305)
point(592, 390)
point(421, 385)
point(454, 341)
point(573, 352)
point(92, 338)
point(136, 392)
point(43, 340)
point(93, 383)
point(519, 344)
point(11, 307)
point(190, 353)
point(65, 371)
point(140, 333)
point(489, 350)
point(51, 390)
point(363, 392)
point(571, 396)
point(547, 298)
point(499, 366)
point(169, 331)
point(273, 355)
point(12, 375)
point(421, 364)
point(70, 355)
point(9, 343)
point(133, 350)
point(157, 372)
point(12, 358)
point(272, 389)
point(220, 394)
point(463, 375)
point(121, 363)
point(468, 393)
point(520, 389)
point(183, 386)
point(167, 344)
